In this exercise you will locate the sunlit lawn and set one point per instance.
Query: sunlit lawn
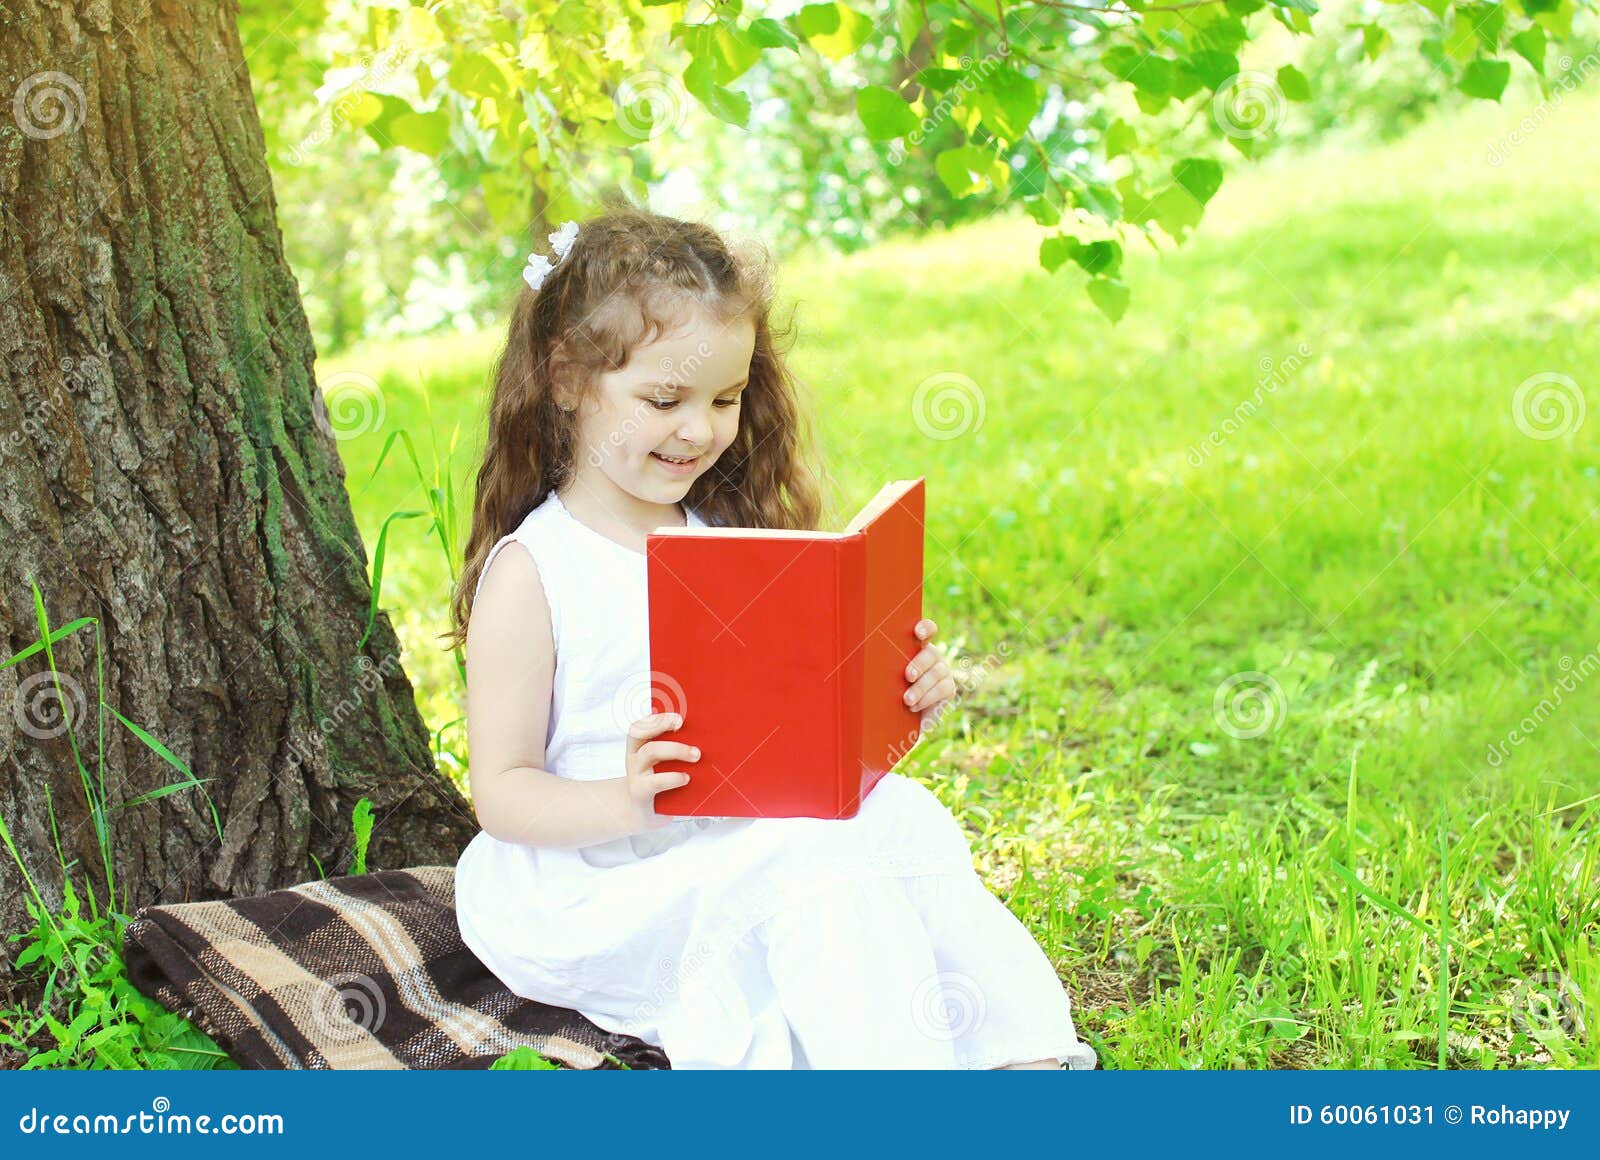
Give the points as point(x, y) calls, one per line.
point(1220, 679)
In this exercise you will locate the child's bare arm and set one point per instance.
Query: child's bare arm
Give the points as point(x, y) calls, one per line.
point(510, 665)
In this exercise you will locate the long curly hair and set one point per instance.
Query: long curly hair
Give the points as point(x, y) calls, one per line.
point(623, 284)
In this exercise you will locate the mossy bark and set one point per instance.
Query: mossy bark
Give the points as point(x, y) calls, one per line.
point(167, 467)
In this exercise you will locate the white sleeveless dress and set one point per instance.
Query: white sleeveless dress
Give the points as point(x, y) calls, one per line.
point(867, 942)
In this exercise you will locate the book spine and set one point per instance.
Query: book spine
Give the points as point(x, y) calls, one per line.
point(850, 600)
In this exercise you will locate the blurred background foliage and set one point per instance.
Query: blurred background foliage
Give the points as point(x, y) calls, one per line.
point(418, 150)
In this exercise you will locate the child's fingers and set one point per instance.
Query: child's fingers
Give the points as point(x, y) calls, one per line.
point(654, 751)
point(930, 691)
point(930, 673)
point(923, 662)
point(653, 726)
point(926, 628)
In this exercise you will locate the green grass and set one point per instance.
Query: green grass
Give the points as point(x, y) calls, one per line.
point(1399, 565)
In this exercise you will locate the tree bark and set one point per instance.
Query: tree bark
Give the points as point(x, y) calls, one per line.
point(167, 465)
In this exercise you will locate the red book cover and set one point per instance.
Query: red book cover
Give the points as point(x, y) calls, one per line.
point(786, 652)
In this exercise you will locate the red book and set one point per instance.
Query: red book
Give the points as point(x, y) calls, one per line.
point(786, 652)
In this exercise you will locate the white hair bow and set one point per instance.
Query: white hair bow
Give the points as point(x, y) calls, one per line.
point(539, 266)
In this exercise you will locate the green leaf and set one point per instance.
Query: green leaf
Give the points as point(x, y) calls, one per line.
point(164, 791)
point(1120, 139)
point(1176, 211)
point(482, 74)
point(1293, 84)
point(768, 33)
point(968, 169)
point(1042, 210)
point(1460, 41)
point(960, 38)
point(834, 30)
point(1530, 45)
point(1488, 21)
point(505, 196)
point(378, 554)
point(1294, 20)
point(426, 133)
point(171, 759)
point(1008, 102)
point(884, 114)
point(1485, 79)
point(1393, 908)
point(1100, 200)
point(1199, 176)
point(908, 22)
point(161, 750)
point(1307, 6)
point(938, 79)
point(1222, 34)
point(728, 53)
point(1099, 258)
point(735, 53)
point(523, 1058)
point(1213, 68)
point(361, 826)
point(361, 110)
point(1111, 296)
point(55, 635)
point(1374, 39)
point(1148, 72)
point(725, 104)
point(1055, 252)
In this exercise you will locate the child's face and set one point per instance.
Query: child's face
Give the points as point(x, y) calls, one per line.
point(678, 396)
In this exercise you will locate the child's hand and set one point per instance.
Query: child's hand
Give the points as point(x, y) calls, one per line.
point(932, 683)
point(642, 781)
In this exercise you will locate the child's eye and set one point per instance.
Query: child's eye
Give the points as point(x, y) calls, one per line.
point(668, 404)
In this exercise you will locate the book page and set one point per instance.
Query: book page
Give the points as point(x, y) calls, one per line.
point(887, 495)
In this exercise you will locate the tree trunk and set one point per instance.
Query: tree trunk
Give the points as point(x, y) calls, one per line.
point(167, 466)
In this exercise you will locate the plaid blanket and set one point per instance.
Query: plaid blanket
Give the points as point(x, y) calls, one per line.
point(367, 971)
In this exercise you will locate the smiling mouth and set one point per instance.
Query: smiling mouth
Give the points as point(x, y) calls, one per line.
point(679, 462)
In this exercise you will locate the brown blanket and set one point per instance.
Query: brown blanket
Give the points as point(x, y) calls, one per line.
point(367, 971)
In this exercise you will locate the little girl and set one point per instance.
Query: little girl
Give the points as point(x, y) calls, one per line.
point(641, 386)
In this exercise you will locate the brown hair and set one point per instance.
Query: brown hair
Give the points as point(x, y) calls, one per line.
point(621, 285)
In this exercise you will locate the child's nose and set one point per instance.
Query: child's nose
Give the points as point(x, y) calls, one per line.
point(697, 432)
